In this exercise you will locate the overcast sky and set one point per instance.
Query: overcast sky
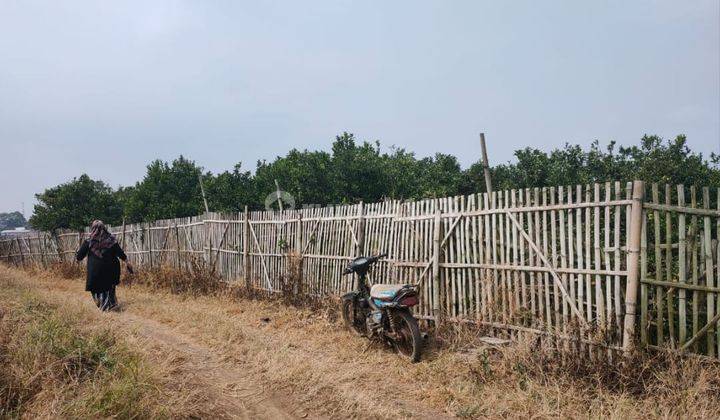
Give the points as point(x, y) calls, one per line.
point(104, 87)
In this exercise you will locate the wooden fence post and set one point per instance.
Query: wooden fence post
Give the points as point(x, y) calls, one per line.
point(299, 286)
point(361, 231)
point(486, 164)
point(61, 256)
point(437, 284)
point(122, 240)
point(79, 243)
point(41, 249)
point(8, 247)
point(22, 256)
point(177, 245)
point(149, 241)
point(246, 244)
point(361, 239)
point(207, 227)
point(633, 266)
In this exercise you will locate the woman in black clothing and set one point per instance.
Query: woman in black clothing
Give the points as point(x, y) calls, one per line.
point(103, 267)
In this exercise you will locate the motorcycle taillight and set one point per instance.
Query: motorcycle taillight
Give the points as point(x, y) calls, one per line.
point(409, 301)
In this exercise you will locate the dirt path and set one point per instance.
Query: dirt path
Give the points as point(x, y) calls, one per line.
point(294, 366)
point(234, 393)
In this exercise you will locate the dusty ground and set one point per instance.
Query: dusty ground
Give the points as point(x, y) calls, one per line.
point(228, 361)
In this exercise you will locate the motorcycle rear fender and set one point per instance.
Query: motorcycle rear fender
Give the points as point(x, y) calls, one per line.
point(404, 293)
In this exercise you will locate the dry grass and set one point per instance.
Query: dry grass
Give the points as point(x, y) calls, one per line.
point(201, 280)
point(531, 377)
point(196, 280)
point(53, 369)
point(67, 270)
point(303, 352)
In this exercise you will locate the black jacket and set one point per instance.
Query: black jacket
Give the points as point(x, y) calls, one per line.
point(102, 273)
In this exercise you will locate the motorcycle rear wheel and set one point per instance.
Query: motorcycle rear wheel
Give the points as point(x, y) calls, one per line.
point(409, 343)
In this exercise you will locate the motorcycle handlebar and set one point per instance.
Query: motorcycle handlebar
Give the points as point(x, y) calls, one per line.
point(371, 260)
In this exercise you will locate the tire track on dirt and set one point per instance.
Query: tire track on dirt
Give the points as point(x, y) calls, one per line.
point(236, 394)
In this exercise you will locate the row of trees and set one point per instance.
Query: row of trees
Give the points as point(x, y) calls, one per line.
point(12, 220)
point(353, 171)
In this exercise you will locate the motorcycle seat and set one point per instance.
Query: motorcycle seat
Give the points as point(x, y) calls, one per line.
point(385, 292)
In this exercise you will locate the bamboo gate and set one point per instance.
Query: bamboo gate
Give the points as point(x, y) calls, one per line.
point(550, 261)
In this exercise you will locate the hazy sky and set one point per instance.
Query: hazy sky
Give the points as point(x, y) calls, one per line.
point(103, 87)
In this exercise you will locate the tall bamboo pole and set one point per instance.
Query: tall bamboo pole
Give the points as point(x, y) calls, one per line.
point(246, 243)
point(122, 240)
point(486, 165)
point(202, 191)
point(277, 191)
point(437, 293)
point(633, 256)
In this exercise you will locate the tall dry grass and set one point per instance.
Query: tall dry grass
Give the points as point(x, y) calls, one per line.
point(51, 368)
point(197, 279)
point(541, 377)
point(200, 279)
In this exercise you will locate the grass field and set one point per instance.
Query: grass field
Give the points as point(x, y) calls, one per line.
point(177, 355)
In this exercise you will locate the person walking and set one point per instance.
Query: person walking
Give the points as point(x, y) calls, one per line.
point(103, 268)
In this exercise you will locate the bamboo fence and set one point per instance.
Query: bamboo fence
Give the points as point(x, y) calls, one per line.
point(551, 261)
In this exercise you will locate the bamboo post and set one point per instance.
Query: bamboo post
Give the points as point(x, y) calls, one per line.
point(682, 274)
point(246, 242)
point(61, 256)
point(8, 247)
point(177, 246)
point(80, 240)
point(361, 230)
point(207, 246)
point(41, 247)
point(633, 254)
point(122, 240)
point(298, 247)
point(360, 247)
point(486, 165)
point(709, 278)
point(659, 302)
point(437, 285)
point(277, 191)
point(202, 191)
point(150, 245)
point(22, 256)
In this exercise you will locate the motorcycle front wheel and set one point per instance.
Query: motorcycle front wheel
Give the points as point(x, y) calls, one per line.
point(408, 342)
point(351, 321)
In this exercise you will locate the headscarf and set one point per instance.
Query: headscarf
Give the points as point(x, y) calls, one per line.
point(100, 239)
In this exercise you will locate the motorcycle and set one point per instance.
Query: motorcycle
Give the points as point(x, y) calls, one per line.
point(382, 311)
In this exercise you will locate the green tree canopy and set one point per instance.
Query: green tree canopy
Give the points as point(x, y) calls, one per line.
point(12, 220)
point(353, 171)
point(306, 175)
point(75, 204)
point(230, 191)
point(654, 160)
point(166, 191)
